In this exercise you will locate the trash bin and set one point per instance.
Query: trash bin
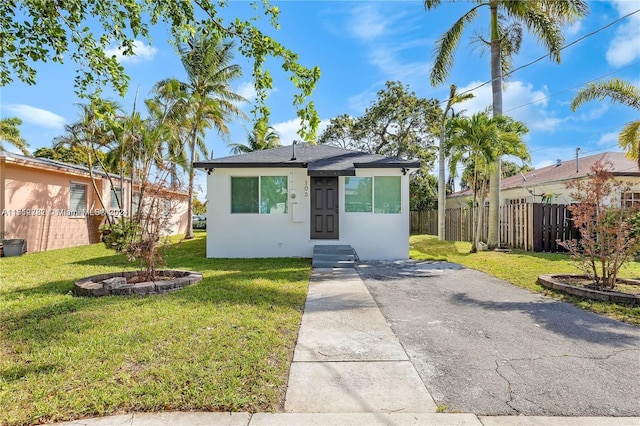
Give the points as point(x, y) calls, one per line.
point(13, 247)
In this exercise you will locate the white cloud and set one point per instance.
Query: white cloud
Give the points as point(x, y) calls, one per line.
point(247, 90)
point(625, 47)
point(287, 130)
point(367, 23)
point(381, 31)
point(573, 29)
point(595, 113)
point(388, 59)
point(608, 139)
point(36, 116)
point(142, 52)
point(519, 100)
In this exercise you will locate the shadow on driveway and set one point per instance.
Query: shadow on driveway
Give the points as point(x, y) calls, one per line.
point(484, 346)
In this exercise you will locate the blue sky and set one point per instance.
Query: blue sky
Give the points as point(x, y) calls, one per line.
point(359, 45)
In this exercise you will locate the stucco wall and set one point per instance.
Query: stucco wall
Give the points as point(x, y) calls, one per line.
point(374, 236)
point(35, 203)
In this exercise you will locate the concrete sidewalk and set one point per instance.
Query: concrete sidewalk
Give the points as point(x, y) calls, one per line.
point(347, 359)
point(349, 369)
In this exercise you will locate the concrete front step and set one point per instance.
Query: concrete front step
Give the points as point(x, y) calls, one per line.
point(330, 256)
point(328, 248)
point(333, 264)
point(334, 256)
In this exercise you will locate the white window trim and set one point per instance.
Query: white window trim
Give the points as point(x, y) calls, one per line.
point(73, 214)
point(373, 197)
point(259, 212)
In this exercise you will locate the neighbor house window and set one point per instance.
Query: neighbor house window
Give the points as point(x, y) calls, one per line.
point(135, 202)
point(116, 199)
point(631, 199)
point(77, 199)
point(259, 194)
point(380, 194)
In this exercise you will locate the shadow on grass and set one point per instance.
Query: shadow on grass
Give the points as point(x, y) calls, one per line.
point(42, 312)
point(551, 257)
point(17, 372)
point(564, 319)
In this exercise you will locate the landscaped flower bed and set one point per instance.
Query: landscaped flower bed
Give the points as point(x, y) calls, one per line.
point(125, 283)
point(580, 285)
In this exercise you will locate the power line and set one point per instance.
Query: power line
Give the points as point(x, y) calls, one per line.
point(544, 56)
point(573, 87)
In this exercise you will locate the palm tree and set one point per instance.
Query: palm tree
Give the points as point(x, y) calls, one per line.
point(544, 18)
point(470, 140)
point(260, 138)
point(10, 133)
point(621, 92)
point(91, 136)
point(477, 141)
point(211, 100)
point(454, 98)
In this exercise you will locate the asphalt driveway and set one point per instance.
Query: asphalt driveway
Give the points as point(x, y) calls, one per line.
point(484, 346)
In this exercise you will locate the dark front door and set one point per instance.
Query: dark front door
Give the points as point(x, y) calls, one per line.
point(324, 208)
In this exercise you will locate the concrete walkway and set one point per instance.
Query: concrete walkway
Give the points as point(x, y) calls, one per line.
point(349, 369)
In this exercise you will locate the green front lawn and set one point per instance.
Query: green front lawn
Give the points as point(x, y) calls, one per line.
point(522, 269)
point(222, 344)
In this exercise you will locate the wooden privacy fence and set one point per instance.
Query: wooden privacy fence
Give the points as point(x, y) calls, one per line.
point(531, 227)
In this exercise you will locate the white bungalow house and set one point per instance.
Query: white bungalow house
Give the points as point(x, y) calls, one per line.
point(284, 201)
point(548, 184)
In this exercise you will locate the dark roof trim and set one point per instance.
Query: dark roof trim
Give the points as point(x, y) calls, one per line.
point(630, 174)
point(331, 173)
point(214, 165)
point(388, 165)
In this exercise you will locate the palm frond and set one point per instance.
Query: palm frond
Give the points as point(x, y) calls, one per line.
point(446, 46)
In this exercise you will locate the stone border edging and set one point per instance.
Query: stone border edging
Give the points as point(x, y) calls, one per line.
point(548, 281)
point(93, 286)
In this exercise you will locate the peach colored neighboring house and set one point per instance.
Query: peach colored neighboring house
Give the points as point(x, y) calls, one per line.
point(53, 205)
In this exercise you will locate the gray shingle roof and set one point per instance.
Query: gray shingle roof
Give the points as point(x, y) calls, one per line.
point(319, 160)
point(566, 170)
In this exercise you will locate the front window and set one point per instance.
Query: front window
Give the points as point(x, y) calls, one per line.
point(380, 194)
point(259, 194)
point(386, 194)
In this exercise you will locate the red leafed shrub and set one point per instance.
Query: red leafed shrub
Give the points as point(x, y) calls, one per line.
point(607, 229)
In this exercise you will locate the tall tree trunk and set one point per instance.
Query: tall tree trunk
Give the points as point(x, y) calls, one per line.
point(496, 87)
point(95, 188)
point(441, 185)
point(475, 209)
point(481, 208)
point(189, 234)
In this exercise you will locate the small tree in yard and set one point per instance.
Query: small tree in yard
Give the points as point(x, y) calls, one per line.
point(142, 235)
point(607, 231)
